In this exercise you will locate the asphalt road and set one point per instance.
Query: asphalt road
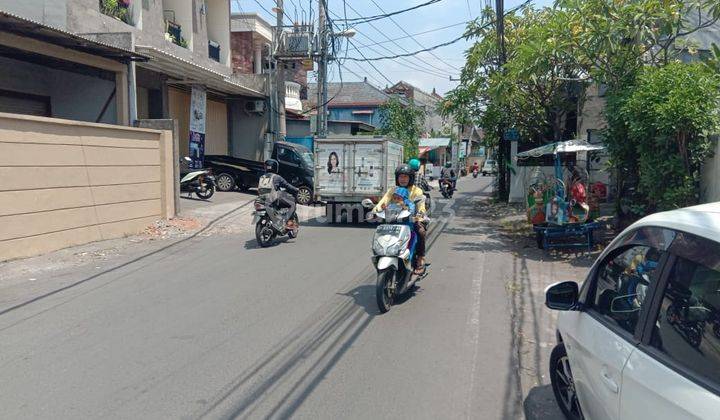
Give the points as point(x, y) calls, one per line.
point(215, 327)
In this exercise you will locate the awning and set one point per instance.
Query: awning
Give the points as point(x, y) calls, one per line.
point(427, 144)
point(569, 146)
point(188, 72)
point(30, 29)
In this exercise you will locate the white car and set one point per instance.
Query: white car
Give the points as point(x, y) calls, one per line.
point(489, 167)
point(641, 338)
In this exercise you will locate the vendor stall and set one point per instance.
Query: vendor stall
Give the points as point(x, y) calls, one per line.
point(557, 206)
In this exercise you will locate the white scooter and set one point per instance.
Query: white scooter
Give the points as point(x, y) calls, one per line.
point(201, 182)
point(393, 248)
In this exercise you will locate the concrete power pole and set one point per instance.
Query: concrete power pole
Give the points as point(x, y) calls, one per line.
point(322, 82)
point(280, 75)
point(503, 155)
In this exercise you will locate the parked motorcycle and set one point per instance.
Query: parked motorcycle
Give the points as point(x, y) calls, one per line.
point(271, 222)
point(446, 188)
point(201, 182)
point(393, 247)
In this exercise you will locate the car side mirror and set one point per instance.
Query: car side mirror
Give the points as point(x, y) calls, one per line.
point(562, 296)
point(367, 203)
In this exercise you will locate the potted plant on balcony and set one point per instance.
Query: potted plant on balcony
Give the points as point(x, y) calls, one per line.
point(119, 9)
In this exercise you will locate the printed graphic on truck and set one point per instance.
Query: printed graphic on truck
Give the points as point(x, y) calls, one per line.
point(331, 174)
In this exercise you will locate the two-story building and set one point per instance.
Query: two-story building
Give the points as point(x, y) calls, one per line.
point(185, 42)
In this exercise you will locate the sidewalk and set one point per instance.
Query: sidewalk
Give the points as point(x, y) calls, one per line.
point(529, 271)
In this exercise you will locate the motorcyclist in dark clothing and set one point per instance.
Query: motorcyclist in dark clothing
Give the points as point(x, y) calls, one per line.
point(274, 182)
point(448, 173)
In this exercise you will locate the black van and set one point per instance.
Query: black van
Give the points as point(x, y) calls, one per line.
point(296, 166)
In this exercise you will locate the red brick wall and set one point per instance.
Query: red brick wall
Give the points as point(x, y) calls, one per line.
point(242, 52)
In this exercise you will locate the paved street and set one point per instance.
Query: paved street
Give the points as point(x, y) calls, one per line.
point(214, 327)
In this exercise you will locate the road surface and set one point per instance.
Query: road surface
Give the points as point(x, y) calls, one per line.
point(215, 327)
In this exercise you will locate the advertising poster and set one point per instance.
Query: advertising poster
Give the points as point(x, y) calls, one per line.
point(331, 173)
point(368, 168)
point(198, 100)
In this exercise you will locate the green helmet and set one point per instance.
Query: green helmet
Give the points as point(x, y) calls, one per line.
point(448, 164)
point(414, 164)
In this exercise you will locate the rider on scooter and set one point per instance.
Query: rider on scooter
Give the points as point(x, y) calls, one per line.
point(405, 177)
point(448, 173)
point(275, 181)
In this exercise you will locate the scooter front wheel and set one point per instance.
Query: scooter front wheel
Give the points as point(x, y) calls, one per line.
point(384, 291)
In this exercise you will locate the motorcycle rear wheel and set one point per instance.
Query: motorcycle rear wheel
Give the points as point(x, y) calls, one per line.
point(264, 235)
point(383, 293)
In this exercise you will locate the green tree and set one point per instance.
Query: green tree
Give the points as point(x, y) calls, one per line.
point(404, 122)
point(670, 116)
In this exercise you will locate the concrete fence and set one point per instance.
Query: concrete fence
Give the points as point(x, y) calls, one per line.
point(710, 185)
point(67, 183)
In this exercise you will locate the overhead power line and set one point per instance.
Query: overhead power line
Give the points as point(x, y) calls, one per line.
point(434, 47)
point(418, 33)
point(450, 66)
point(372, 65)
point(425, 62)
point(366, 19)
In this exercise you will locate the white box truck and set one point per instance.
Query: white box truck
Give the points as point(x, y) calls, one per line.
point(349, 169)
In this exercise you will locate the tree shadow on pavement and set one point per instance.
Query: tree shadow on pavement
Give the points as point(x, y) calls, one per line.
point(280, 381)
point(540, 404)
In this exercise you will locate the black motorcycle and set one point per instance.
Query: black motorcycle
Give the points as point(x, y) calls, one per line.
point(446, 188)
point(272, 222)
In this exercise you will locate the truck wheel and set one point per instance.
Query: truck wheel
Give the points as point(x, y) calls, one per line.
point(304, 196)
point(225, 182)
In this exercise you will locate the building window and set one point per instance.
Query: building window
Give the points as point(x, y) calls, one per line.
point(119, 9)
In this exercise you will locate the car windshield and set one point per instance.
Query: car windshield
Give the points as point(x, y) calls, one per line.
point(307, 158)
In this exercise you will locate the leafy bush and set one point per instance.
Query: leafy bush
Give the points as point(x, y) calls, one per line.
point(670, 115)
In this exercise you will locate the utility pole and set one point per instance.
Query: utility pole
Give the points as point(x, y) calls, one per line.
point(280, 74)
point(503, 155)
point(322, 70)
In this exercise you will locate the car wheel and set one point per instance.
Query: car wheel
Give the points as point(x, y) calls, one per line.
point(563, 384)
point(304, 196)
point(225, 182)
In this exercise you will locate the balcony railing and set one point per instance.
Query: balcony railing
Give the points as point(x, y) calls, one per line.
point(173, 30)
point(292, 96)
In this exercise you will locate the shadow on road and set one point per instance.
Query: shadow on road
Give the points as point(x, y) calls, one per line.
point(540, 404)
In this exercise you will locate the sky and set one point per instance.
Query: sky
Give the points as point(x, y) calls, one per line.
point(427, 70)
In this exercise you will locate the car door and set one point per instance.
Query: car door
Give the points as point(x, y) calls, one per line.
point(675, 372)
point(600, 339)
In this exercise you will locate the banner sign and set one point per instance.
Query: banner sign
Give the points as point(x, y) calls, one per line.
point(198, 101)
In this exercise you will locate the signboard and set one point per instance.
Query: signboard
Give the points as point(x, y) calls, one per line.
point(198, 101)
point(512, 134)
point(463, 149)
